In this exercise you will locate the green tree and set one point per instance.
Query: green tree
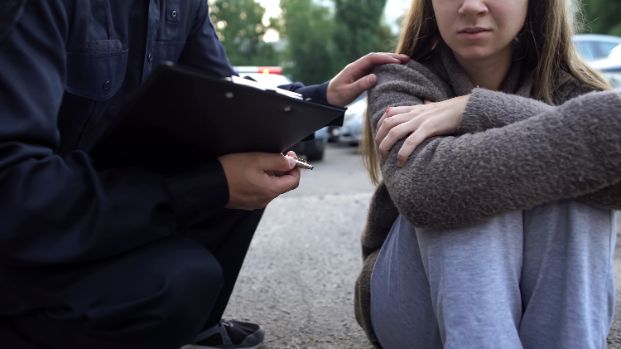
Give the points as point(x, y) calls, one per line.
point(387, 40)
point(359, 28)
point(240, 27)
point(308, 28)
point(602, 16)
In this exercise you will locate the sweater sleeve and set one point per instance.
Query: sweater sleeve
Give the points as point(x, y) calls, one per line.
point(491, 109)
point(561, 152)
point(569, 151)
point(488, 109)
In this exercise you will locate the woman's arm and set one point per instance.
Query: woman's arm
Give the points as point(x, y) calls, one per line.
point(568, 151)
point(490, 109)
point(486, 109)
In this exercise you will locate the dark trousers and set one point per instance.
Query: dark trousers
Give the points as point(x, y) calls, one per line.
point(159, 296)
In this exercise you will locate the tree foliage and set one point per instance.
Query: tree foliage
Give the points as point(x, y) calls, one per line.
point(602, 16)
point(240, 27)
point(358, 27)
point(308, 28)
point(320, 37)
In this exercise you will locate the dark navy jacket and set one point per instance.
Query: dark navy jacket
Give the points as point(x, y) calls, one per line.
point(65, 67)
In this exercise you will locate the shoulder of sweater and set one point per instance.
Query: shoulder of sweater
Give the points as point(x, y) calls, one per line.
point(415, 75)
point(410, 69)
point(569, 87)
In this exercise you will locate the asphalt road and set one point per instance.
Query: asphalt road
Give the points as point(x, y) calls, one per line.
point(297, 280)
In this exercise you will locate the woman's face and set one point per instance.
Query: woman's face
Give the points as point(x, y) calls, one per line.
point(480, 29)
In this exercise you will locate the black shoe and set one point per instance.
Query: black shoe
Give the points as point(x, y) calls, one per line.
point(231, 334)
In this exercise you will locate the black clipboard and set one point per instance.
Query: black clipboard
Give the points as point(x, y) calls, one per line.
point(180, 115)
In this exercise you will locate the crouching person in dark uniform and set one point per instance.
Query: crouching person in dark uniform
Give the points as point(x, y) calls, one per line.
point(124, 257)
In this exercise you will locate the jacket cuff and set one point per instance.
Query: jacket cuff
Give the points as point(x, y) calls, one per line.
point(198, 190)
point(315, 93)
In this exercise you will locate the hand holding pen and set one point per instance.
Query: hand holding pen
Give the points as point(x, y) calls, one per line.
point(300, 163)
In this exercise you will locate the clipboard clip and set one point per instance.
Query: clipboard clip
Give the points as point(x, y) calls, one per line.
point(251, 83)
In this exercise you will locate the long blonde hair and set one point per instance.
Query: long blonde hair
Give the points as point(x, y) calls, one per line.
point(545, 43)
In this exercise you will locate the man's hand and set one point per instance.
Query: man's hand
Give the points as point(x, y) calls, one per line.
point(255, 179)
point(356, 77)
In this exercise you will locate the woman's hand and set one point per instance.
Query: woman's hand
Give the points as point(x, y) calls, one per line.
point(417, 123)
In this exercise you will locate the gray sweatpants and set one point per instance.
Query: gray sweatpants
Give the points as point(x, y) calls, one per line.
point(541, 278)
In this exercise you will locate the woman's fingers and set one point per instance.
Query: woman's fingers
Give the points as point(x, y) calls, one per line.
point(423, 132)
point(392, 111)
point(392, 117)
point(417, 123)
point(398, 127)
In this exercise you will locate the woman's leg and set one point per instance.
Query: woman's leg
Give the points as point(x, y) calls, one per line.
point(474, 275)
point(401, 310)
point(567, 277)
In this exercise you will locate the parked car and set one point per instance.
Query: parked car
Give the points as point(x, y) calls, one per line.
point(312, 149)
point(595, 46)
point(611, 69)
point(353, 123)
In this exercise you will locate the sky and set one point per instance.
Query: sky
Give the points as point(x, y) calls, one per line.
point(394, 9)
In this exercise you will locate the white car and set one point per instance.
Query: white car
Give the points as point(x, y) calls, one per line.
point(595, 46)
point(353, 123)
point(611, 69)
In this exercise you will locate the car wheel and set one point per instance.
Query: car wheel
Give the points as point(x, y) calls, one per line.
point(317, 152)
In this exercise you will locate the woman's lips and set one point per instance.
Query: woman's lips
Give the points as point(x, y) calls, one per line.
point(473, 32)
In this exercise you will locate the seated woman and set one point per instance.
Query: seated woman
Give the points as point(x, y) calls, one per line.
point(499, 230)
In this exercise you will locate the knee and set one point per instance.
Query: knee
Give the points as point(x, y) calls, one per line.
point(177, 311)
point(189, 293)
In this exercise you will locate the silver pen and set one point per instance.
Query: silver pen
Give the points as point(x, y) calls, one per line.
point(303, 164)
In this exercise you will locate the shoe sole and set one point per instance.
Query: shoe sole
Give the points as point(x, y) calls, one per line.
point(260, 333)
point(194, 346)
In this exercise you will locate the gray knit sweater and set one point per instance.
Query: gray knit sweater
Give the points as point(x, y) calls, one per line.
point(511, 152)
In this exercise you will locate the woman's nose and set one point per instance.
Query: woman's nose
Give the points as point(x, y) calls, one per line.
point(473, 7)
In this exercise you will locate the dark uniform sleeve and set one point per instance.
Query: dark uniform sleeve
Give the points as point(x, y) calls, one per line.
point(59, 209)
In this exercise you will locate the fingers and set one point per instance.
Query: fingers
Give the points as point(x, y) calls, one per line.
point(274, 163)
point(370, 60)
point(282, 174)
point(403, 126)
point(362, 84)
point(389, 123)
point(355, 78)
point(255, 179)
point(391, 111)
point(292, 154)
point(417, 123)
point(285, 182)
point(393, 117)
point(411, 143)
